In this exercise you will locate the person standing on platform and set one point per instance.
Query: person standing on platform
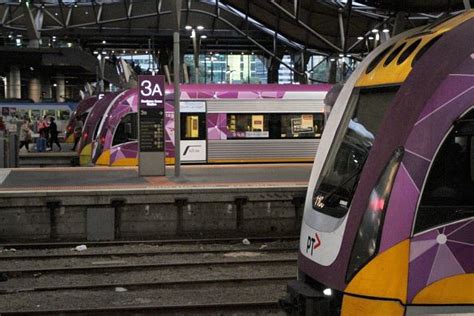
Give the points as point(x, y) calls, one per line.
point(53, 132)
point(25, 135)
point(42, 128)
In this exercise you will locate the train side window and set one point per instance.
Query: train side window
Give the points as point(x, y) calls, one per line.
point(127, 130)
point(248, 125)
point(302, 125)
point(447, 196)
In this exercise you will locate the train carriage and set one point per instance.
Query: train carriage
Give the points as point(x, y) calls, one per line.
point(225, 123)
point(388, 223)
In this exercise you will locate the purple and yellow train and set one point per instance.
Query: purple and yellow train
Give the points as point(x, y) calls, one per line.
point(388, 225)
point(221, 123)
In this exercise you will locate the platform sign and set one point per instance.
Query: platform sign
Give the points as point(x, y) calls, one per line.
point(151, 107)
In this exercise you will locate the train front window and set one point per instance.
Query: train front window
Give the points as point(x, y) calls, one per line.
point(127, 130)
point(335, 190)
point(447, 196)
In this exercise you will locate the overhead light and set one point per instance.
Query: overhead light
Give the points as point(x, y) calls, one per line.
point(146, 52)
point(327, 292)
point(242, 53)
point(375, 31)
point(104, 52)
point(75, 5)
point(54, 37)
point(217, 55)
point(123, 52)
point(96, 52)
point(188, 27)
point(370, 37)
point(203, 36)
point(86, 12)
point(104, 42)
point(210, 53)
point(333, 59)
point(10, 36)
point(42, 6)
point(55, 84)
point(31, 68)
point(253, 53)
point(113, 52)
point(107, 57)
point(360, 38)
point(348, 55)
point(200, 27)
point(386, 30)
point(56, 13)
point(341, 55)
point(135, 52)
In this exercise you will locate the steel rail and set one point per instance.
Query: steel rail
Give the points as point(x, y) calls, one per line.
point(108, 268)
point(47, 245)
point(147, 285)
point(139, 254)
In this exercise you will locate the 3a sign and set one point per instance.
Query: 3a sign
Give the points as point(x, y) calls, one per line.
point(151, 104)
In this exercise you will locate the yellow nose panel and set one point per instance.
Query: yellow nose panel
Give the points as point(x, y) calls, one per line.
point(457, 289)
point(385, 276)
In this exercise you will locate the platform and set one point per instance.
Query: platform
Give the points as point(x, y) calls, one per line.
point(113, 203)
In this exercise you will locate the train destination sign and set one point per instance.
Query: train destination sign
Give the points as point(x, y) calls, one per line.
point(151, 107)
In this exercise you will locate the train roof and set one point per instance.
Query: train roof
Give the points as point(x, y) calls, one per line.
point(40, 105)
point(394, 64)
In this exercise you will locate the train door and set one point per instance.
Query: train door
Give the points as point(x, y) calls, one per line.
point(442, 248)
point(193, 144)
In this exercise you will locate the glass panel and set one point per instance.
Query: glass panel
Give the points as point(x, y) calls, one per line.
point(127, 130)
point(301, 125)
point(248, 125)
point(448, 193)
point(338, 183)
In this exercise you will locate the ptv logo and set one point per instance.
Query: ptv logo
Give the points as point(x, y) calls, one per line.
point(312, 243)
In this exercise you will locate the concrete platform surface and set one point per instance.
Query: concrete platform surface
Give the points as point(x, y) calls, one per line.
point(88, 179)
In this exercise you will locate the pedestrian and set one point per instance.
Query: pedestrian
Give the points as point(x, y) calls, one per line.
point(53, 133)
point(41, 127)
point(46, 129)
point(25, 135)
point(77, 132)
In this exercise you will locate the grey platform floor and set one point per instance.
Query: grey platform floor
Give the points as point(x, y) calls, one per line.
point(120, 178)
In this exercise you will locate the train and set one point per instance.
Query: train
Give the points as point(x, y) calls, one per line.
point(223, 124)
point(388, 223)
point(14, 112)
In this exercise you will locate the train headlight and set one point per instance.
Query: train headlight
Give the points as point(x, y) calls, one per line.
point(368, 237)
point(327, 292)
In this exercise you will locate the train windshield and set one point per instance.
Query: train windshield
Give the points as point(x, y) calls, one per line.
point(340, 176)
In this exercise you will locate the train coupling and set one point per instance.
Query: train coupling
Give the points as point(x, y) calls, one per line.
point(303, 299)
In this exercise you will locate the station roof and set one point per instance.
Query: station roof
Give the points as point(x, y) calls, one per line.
point(325, 26)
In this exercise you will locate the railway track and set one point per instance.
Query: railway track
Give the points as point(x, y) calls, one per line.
point(148, 278)
point(52, 245)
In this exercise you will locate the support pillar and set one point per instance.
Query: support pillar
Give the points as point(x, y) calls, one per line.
point(60, 89)
point(34, 90)
point(272, 70)
point(300, 61)
point(14, 83)
point(332, 78)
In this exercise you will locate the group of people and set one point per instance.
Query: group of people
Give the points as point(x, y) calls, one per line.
point(48, 134)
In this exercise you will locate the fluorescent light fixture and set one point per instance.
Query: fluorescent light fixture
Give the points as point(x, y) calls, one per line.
point(188, 27)
point(333, 59)
point(200, 27)
point(341, 55)
point(370, 37)
point(104, 42)
point(375, 31)
point(96, 52)
point(104, 52)
point(386, 30)
point(203, 36)
point(360, 38)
